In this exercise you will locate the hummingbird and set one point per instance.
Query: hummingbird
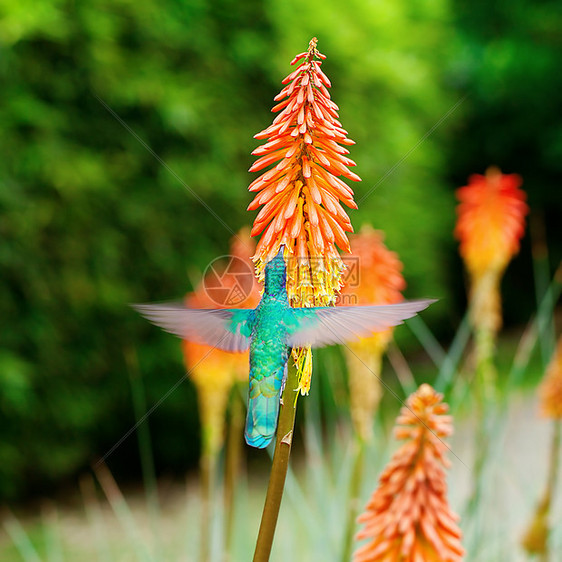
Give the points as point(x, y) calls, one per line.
point(269, 331)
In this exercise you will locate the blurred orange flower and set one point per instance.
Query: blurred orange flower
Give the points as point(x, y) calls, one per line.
point(213, 371)
point(550, 391)
point(408, 517)
point(301, 194)
point(375, 277)
point(491, 220)
point(379, 278)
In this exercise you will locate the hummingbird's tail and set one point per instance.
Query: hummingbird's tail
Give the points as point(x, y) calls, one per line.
point(263, 409)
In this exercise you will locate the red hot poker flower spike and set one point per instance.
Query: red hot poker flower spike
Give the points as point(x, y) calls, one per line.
point(300, 196)
point(301, 193)
point(408, 517)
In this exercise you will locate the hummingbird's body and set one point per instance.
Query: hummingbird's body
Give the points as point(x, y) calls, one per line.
point(269, 352)
point(269, 331)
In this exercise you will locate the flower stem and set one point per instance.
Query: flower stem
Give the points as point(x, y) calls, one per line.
point(354, 492)
point(554, 460)
point(535, 540)
point(486, 393)
point(485, 369)
point(279, 468)
point(232, 468)
point(143, 433)
point(208, 475)
point(551, 482)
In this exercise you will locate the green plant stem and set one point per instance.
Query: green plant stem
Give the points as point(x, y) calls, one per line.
point(353, 505)
point(279, 468)
point(554, 459)
point(232, 465)
point(546, 501)
point(534, 329)
point(208, 471)
point(482, 446)
point(486, 375)
point(535, 540)
point(143, 434)
point(486, 393)
point(541, 271)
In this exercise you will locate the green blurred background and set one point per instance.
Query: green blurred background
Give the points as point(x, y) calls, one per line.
point(90, 220)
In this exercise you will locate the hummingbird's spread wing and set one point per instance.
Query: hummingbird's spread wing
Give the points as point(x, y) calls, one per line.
point(319, 326)
point(228, 330)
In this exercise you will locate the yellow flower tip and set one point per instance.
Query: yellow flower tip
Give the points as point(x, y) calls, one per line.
point(302, 357)
point(408, 516)
point(550, 390)
point(491, 220)
point(535, 539)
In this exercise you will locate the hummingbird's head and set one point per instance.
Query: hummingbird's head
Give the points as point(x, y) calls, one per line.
point(276, 273)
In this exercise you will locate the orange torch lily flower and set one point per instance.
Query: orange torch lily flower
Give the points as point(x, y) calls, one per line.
point(408, 517)
point(377, 280)
point(301, 193)
point(491, 221)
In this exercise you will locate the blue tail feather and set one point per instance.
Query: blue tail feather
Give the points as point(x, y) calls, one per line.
point(263, 408)
point(261, 422)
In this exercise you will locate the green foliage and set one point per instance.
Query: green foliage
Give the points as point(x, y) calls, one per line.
point(91, 220)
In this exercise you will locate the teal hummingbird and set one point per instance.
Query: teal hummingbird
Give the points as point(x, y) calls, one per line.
point(270, 330)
